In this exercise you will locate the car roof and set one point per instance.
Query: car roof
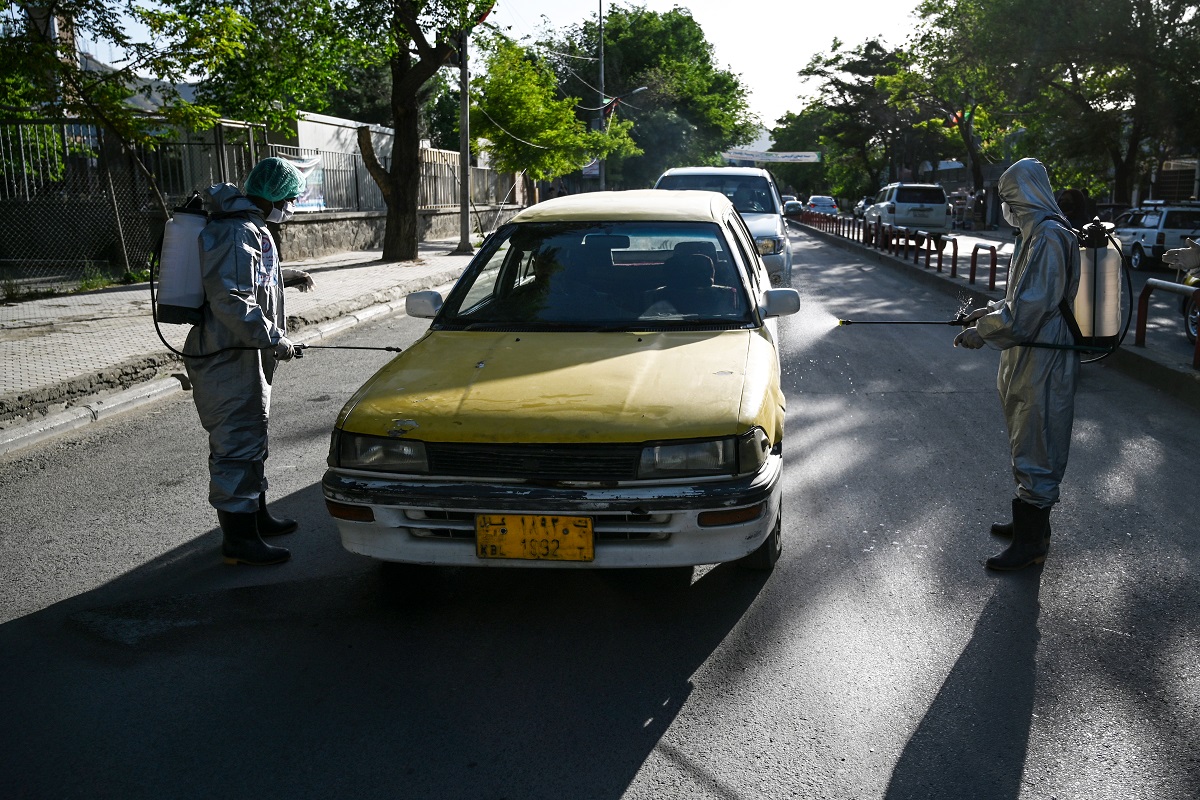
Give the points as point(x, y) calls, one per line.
point(635, 205)
point(717, 170)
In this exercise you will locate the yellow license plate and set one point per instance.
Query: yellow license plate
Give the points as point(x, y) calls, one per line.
point(536, 537)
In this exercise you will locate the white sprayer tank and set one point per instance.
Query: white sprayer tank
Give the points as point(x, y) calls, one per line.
point(180, 288)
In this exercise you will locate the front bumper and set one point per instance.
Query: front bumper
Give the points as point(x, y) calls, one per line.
point(635, 525)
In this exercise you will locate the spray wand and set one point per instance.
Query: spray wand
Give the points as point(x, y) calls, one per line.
point(960, 320)
point(300, 348)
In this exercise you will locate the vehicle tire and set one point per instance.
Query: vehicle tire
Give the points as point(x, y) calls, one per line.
point(1191, 318)
point(763, 559)
point(1138, 259)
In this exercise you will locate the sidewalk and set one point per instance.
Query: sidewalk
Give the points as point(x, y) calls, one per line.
point(70, 360)
point(1165, 363)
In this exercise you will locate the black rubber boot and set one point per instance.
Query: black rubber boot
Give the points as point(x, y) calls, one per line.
point(241, 543)
point(1005, 529)
point(1031, 538)
point(269, 525)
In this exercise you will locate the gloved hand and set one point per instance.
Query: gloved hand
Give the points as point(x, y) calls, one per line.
point(969, 339)
point(1183, 257)
point(298, 278)
point(284, 349)
point(974, 315)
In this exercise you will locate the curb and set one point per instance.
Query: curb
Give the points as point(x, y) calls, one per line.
point(19, 437)
point(1180, 382)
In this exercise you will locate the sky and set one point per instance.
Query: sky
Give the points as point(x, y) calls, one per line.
point(765, 41)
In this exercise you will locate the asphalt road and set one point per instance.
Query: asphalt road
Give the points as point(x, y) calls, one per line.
point(878, 660)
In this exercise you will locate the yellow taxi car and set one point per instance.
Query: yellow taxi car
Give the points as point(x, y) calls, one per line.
point(601, 388)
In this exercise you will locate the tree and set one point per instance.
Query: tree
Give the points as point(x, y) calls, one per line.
point(692, 110)
point(528, 128)
point(411, 39)
point(865, 138)
point(44, 77)
point(1105, 68)
point(294, 57)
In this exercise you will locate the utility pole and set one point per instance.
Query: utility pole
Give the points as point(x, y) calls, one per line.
point(464, 150)
point(603, 121)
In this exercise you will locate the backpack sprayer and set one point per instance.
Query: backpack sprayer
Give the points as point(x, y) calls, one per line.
point(1096, 323)
point(180, 294)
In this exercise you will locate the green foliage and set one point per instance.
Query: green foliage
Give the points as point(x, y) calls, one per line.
point(291, 55)
point(44, 77)
point(528, 128)
point(692, 109)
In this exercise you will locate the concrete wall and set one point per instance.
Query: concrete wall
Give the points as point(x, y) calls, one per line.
point(319, 234)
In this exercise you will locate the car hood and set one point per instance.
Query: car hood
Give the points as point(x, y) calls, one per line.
point(764, 224)
point(468, 386)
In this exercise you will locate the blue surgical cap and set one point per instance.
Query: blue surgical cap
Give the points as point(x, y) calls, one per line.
point(274, 179)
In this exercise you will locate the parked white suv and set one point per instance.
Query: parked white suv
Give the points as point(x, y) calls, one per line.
point(1151, 229)
point(752, 192)
point(922, 206)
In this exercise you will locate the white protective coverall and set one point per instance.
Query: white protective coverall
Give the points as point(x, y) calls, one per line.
point(1036, 385)
point(243, 293)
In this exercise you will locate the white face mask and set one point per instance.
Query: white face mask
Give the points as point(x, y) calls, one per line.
point(1009, 217)
point(282, 214)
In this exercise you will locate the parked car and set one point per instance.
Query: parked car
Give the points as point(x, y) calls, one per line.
point(860, 207)
point(752, 192)
point(787, 198)
point(1150, 230)
point(822, 204)
point(600, 389)
point(912, 205)
point(793, 209)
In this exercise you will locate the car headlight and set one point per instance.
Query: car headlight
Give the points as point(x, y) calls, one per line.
point(770, 245)
point(377, 453)
point(735, 455)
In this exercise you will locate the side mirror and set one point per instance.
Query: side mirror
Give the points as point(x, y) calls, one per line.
point(779, 303)
point(425, 305)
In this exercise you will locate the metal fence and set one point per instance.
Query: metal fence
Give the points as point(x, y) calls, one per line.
point(77, 208)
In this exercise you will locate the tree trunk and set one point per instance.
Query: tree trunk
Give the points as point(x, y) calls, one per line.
point(403, 230)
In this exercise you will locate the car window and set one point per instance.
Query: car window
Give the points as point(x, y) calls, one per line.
point(1150, 220)
point(607, 276)
point(923, 195)
point(1183, 219)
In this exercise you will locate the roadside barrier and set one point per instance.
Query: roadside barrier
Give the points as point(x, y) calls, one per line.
point(953, 240)
point(897, 241)
point(1139, 338)
point(991, 248)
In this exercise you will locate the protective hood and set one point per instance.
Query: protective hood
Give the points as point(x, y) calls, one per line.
point(1025, 186)
point(225, 198)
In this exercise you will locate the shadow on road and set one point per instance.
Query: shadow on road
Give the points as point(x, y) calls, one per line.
point(973, 739)
point(493, 683)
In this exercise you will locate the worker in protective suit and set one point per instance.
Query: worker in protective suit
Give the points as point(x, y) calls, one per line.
point(1036, 384)
point(244, 329)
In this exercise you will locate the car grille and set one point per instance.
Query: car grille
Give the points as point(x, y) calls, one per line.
point(536, 462)
point(432, 523)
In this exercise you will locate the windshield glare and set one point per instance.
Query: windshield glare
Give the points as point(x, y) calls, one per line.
point(602, 276)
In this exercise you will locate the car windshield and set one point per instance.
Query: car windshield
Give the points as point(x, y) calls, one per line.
point(601, 276)
point(750, 194)
point(925, 195)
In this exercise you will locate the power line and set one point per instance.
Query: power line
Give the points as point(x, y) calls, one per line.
point(508, 132)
